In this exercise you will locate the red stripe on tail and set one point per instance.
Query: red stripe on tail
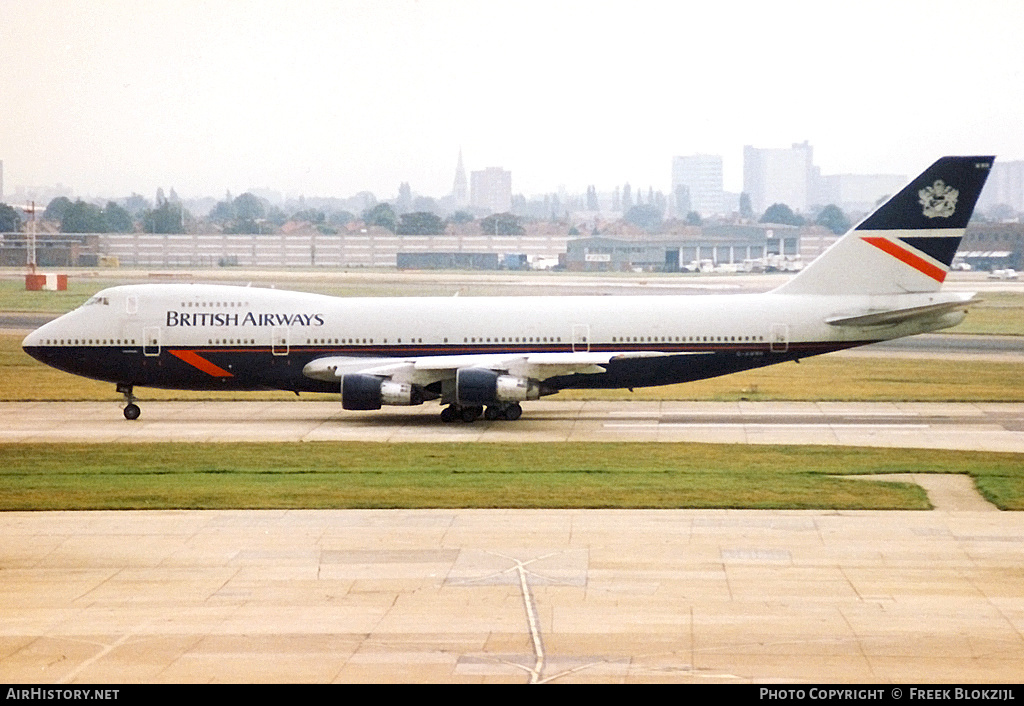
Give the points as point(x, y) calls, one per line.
point(909, 258)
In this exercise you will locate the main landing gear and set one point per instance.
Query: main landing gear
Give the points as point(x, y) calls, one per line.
point(131, 410)
point(504, 410)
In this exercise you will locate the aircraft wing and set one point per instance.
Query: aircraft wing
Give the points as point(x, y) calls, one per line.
point(429, 369)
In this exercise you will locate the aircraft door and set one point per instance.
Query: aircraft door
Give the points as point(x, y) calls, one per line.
point(151, 341)
point(279, 340)
point(779, 338)
point(132, 333)
point(581, 338)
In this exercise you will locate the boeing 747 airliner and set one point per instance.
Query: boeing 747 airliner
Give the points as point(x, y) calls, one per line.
point(486, 355)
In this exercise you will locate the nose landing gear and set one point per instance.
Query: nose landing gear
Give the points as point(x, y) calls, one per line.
point(131, 410)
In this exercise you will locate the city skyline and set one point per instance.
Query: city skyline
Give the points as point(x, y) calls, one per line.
point(322, 99)
point(793, 180)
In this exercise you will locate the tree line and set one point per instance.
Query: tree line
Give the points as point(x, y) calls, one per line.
point(249, 214)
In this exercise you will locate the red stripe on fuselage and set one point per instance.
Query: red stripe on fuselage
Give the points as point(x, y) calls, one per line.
point(909, 258)
point(197, 361)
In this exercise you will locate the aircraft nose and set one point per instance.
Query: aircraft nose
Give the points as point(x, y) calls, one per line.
point(31, 340)
point(31, 345)
point(34, 343)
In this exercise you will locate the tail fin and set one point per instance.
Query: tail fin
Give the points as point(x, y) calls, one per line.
point(907, 244)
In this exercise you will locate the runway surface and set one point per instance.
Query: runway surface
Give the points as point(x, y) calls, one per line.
point(947, 345)
point(977, 426)
point(699, 596)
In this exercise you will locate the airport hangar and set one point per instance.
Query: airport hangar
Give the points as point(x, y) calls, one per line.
point(713, 245)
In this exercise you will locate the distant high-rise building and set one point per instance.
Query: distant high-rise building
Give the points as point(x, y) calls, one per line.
point(779, 176)
point(701, 174)
point(681, 201)
point(1005, 185)
point(491, 190)
point(460, 189)
point(856, 193)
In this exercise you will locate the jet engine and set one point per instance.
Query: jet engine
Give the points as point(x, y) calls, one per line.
point(479, 386)
point(364, 392)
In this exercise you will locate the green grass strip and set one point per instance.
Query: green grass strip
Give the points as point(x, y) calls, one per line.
point(571, 475)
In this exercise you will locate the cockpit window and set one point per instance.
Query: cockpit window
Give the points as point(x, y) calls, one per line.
point(98, 300)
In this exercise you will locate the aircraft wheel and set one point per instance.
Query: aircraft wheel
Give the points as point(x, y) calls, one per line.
point(513, 412)
point(132, 411)
point(471, 414)
point(493, 412)
point(448, 414)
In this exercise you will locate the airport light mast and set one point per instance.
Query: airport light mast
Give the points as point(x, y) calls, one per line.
point(30, 251)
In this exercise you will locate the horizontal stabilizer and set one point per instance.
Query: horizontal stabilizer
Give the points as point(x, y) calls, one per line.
point(899, 316)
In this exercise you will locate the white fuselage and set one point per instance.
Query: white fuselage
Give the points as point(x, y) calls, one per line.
point(212, 315)
point(225, 328)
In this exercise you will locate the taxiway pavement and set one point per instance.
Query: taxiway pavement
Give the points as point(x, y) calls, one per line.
point(968, 426)
point(693, 596)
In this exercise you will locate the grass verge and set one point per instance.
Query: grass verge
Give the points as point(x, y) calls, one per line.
point(449, 475)
point(998, 313)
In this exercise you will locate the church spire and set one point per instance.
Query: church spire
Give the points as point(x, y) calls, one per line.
point(460, 189)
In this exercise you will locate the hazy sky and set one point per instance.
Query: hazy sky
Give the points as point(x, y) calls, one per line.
point(330, 98)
